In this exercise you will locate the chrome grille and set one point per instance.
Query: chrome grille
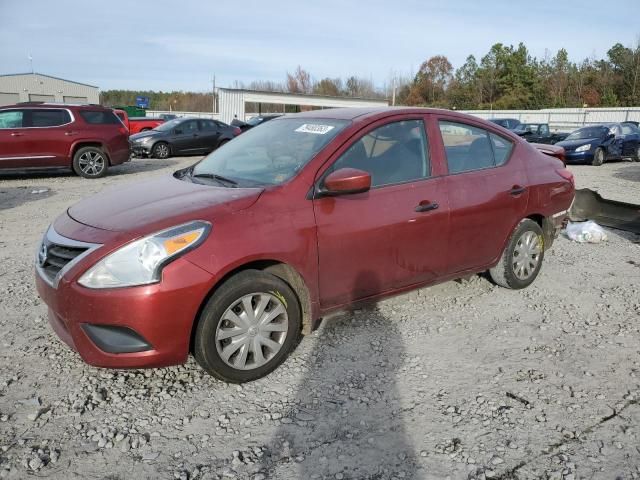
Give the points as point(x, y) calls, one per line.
point(57, 254)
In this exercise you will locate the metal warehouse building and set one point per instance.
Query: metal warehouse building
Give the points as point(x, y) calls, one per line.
point(36, 87)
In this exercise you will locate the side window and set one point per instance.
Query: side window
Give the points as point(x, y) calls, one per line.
point(501, 149)
point(544, 129)
point(190, 127)
point(394, 153)
point(11, 119)
point(627, 129)
point(49, 118)
point(471, 148)
point(207, 126)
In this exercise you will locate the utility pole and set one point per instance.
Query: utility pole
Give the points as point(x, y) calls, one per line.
point(393, 95)
point(31, 62)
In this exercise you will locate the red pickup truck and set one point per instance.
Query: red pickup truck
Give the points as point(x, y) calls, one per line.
point(138, 124)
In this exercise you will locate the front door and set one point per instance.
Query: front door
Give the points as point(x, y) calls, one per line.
point(14, 151)
point(487, 193)
point(186, 138)
point(391, 236)
point(630, 140)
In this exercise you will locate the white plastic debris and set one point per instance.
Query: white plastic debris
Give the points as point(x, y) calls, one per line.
point(42, 190)
point(586, 232)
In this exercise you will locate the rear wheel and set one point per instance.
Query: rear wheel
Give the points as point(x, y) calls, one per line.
point(598, 157)
point(248, 327)
point(90, 162)
point(638, 154)
point(161, 150)
point(521, 260)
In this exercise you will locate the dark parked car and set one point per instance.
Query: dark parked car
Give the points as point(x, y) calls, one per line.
point(508, 123)
point(598, 143)
point(253, 121)
point(182, 136)
point(86, 138)
point(235, 257)
point(539, 133)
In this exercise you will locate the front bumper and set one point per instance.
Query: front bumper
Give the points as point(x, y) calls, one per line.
point(133, 327)
point(140, 150)
point(579, 157)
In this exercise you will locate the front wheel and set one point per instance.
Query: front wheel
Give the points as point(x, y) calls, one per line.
point(248, 327)
point(161, 150)
point(521, 260)
point(90, 162)
point(598, 157)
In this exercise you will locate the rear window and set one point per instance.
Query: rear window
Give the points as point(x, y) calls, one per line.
point(99, 117)
point(49, 118)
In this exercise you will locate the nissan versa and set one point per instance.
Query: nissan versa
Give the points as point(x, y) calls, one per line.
point(233, 258)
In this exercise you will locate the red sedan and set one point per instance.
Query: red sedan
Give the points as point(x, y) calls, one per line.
point(233, 258)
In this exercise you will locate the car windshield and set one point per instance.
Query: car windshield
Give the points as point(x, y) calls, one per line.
point(271, 154)
point(166, 126)
point(588, 132)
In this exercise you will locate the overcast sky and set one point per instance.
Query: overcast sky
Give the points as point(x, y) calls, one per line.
point(180, 44)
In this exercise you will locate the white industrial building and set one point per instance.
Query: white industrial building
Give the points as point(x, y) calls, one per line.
point(231, 101)
point(36, 87)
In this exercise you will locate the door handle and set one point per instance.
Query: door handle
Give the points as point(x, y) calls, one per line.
point(426, 206)
point(69, 134)
point(517, 190)
point(17, 134)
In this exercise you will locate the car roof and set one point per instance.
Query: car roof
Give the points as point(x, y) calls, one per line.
point(374, 113)
point(90, 106)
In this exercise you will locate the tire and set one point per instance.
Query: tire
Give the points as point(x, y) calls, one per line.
point(598, 157)
point(90, 162)
point(525, 239)
point(225, 315)
point(637, 159)
point(145, 129)
point(161, 150)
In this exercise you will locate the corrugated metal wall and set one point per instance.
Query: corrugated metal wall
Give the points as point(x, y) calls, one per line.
point(34, 84)
point(566, 119)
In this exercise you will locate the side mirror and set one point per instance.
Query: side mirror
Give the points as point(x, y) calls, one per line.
point(346, 181)
point(178, 131)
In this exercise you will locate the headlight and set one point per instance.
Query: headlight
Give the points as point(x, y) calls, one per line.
point(141, 262)
point(584, 148)
point(145, 139)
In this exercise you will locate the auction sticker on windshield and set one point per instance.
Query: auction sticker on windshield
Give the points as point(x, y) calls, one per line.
point(314, 128)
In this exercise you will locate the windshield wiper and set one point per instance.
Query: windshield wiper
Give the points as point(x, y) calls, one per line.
point(214, 176)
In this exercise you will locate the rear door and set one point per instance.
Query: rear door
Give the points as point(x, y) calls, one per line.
point(186, 138)
point(14, 151)
point(50, 132)
point(391, 236)
point(487, 188)
point(209, 134)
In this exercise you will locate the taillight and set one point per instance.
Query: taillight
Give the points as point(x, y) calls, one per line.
point(236, 131)
point(567, 175)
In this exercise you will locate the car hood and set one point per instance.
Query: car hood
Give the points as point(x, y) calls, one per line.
point(148, 133)
point(571, 144)
point(142, 207)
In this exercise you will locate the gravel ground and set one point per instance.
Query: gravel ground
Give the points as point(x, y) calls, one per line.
point(460, 380)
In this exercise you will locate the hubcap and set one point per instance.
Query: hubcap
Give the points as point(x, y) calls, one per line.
point(252, 331)
point(91, 163)
point(162, 150)
point(526, 255)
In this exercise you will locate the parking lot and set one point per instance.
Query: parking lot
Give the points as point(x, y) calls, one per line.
point(460, 380)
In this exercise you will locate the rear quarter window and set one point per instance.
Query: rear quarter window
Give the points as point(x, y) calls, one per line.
point(99, 117)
